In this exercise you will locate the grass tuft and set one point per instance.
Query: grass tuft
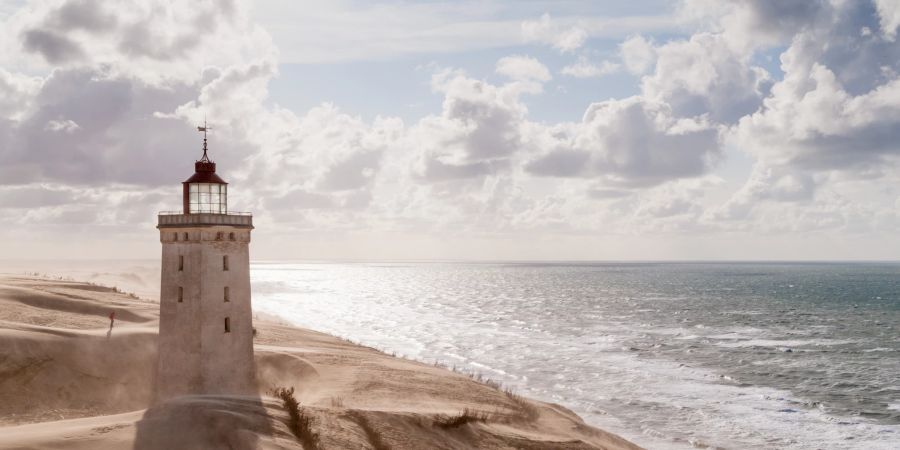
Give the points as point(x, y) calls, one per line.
point(465, 417)
point(477, 376)
point(529, 410)
point(299, 423)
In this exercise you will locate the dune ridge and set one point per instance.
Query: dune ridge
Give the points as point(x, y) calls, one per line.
point(65, 384)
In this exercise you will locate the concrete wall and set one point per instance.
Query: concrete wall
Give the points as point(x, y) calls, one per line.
point(196, 355)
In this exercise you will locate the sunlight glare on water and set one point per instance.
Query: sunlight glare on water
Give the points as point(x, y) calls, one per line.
point(669, 355)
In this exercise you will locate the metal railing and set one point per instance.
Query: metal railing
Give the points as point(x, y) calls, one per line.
point(229, 213)
point(179, 219)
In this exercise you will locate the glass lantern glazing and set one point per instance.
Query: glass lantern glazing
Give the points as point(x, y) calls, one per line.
point(211, 198)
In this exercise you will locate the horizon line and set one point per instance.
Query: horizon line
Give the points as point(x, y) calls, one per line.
point(482, 261)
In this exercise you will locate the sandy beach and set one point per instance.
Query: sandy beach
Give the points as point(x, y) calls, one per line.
point(65, 384)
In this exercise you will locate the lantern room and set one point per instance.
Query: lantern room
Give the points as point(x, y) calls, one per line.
point(205, 192)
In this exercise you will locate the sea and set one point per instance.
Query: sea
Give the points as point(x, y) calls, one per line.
point(668, 355)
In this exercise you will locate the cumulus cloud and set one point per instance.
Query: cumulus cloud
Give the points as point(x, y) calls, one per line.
point(703, 75)
point(87, 127)
point(889, 14)
point(834, 115)
point(477, 132)
point(631, 142)
point(751, 24)
point(565, 38)
point(98, 133)
point(324, 168)
point(324, 159)
point(523, 68)
point(104, 132)
point(638, 54)
point(820, 126)
point(827, 114)
point(109, 115)
point(152, 40)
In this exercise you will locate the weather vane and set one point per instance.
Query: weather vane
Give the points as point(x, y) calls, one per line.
point(204, 128)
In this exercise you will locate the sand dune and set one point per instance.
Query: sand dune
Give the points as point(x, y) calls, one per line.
point(65, 384)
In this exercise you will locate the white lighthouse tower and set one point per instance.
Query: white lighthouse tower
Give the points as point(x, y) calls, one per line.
point(205, 323)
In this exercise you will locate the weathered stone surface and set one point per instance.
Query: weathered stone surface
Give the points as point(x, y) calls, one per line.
point(196, 353)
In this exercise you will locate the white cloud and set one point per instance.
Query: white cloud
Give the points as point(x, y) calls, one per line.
point(154, 40)
point(823, 116)
point(630, 142)
point(65, 126)
point(889, 12)
point(478, 131)
point(704, 75)
point(565, 38)
point(523, 68)
point(90, 127)
point(767, 184)
point(316, 170)
point(102, 134)
point(749, 25)
point(15, 91)
point(833, 116)
point(585, 69)
point(638, 54)
point(812, 122)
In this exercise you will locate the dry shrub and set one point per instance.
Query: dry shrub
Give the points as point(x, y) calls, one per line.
point(465, 417)
point(299, 423)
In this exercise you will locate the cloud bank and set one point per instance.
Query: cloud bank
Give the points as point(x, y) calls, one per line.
point(98, 102)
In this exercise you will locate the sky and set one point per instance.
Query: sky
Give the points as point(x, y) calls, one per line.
point(467, 130)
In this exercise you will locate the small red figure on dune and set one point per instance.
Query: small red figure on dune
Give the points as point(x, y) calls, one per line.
point(112, 319)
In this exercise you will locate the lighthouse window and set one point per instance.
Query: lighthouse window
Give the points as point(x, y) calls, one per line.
point(180, 263)
point(227, 325)
point(180, 294)
point(227, 299)
point(176, 236)
point(185, 236)
point(219, 235)
point(231, 236)
point(208, 198)
point(225, 262)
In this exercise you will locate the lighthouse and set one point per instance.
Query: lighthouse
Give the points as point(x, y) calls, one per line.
point(205, 319)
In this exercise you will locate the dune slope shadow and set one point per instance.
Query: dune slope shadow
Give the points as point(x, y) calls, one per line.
point(61, 302)
point(204, 422)
point(78, 375)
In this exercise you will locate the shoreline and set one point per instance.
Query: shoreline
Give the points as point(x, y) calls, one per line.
point(63, 367)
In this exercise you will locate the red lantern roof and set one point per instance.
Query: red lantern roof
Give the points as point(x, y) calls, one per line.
point(204, 169)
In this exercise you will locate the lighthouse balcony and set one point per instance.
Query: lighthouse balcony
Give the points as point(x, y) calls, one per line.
point(174, 219)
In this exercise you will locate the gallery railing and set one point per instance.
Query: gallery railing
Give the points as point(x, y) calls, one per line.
point(180, 219)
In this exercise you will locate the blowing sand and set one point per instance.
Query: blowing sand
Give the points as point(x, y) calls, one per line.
point(65, 384)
